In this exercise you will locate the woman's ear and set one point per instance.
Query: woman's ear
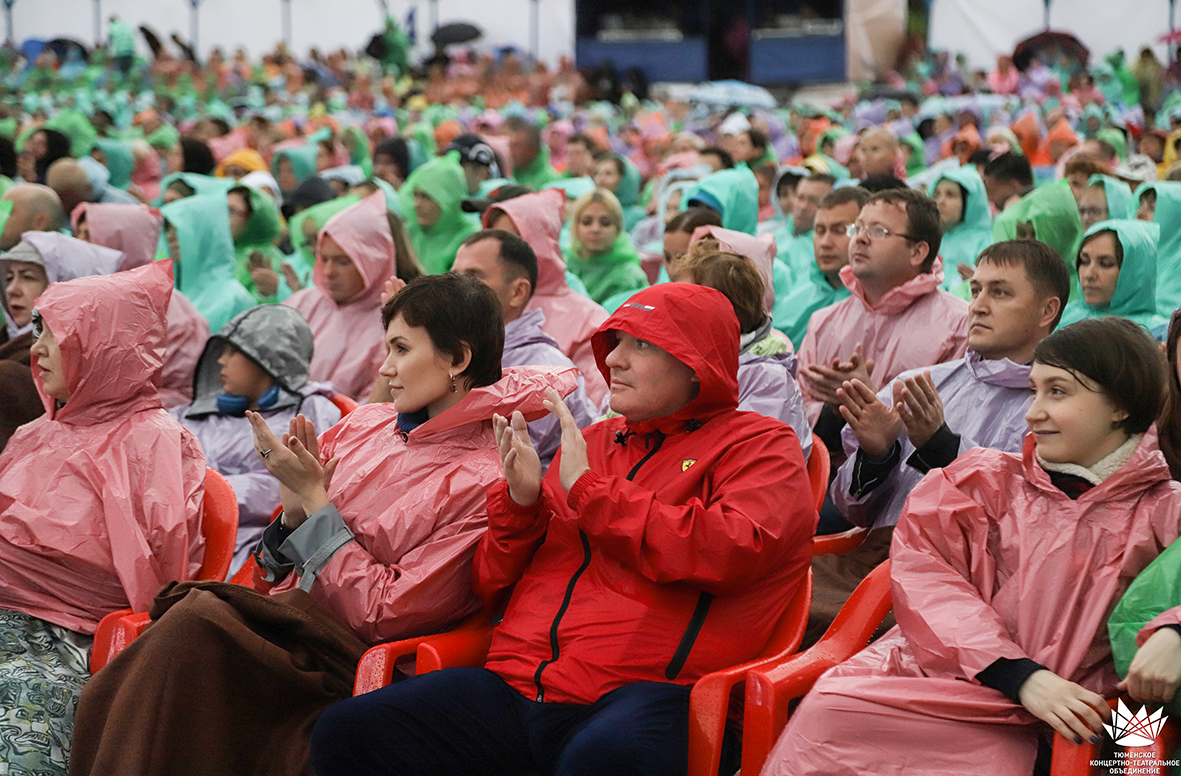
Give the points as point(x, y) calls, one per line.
point(460, 363)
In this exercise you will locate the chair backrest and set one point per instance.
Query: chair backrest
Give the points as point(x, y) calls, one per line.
point(344, 404)
point(819, 467)
point(219, 526)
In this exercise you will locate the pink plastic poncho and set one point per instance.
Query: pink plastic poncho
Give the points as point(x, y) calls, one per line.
point(135, 230)
point(570, 317)
point(415, 503)
point(989, 561)
point(350, 342)
point(100, 498)
point(914, 325)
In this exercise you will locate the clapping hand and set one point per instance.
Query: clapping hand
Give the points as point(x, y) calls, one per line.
point(876, 424)
point(919, 406)
point(294, 461)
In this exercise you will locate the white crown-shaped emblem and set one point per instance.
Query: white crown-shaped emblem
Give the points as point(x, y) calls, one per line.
point(1133, 730)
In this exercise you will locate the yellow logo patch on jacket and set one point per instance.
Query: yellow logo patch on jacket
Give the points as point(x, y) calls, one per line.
point(685, 464)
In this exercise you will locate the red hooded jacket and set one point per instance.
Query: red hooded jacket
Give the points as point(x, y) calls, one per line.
point(675, 554)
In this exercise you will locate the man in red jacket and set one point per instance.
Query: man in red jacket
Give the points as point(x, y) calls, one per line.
point(662, 545)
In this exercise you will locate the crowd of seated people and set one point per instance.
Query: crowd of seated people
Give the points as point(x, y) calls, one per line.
point(600, 361)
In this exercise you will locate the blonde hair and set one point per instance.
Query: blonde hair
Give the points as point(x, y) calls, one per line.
point(604, 198)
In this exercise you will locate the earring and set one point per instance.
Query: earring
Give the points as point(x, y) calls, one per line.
point(454, 387)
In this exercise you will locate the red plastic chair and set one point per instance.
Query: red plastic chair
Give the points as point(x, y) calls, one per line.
point(709, 700)
point(1071, 759)
point(219, 527)
point(770, 688)
point(344, 404)
point(819, 469)
point(839, 544)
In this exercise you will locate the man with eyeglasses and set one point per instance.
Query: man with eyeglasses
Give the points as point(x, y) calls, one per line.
point(896, 318)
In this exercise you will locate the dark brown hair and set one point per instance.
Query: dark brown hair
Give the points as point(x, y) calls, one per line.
point(457, 312)
point(1120, 357)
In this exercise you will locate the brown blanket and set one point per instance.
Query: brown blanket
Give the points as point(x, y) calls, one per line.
point(224, 681)
point(835, 577)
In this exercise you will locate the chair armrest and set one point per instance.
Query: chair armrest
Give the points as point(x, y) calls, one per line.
point(839, 544)
point(375, 669)
point(115, 632)
point(464, 647)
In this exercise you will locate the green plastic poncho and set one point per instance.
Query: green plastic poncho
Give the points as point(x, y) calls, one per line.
point(538, 172)
point(963, 242)
point(122, 38)
point(360, 153)
point(119, 161)
point(614, 272)
point(917, 162)
point(204, 271)
point(1052, 213)
point(303, 260)
point(793, 311)
point(443, 181)
point(77, 127)
point(200, 184)
point(628, 194)
point(1168, 266)
point(1135, 290)
point(1119, 196)
point(303, 162)
point(261, 231)
point(1154, 590)
point(733, 193)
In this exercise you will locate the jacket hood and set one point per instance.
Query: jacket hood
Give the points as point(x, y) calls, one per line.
point(628, 190)
point(363, 232)
point(737, 191)
point(977, 214)
point(111, 332)
point(246, 158)
point(761, 250)
point(1054, 215)
point(263, 227)
point(120, 162)
point(302, 155)
point(206, 248)
point(132, 229)
point(1167, 214)
point(1135, 288)
point(200, 184)
point(275, 337)
point(1119, 196)
point(900, 297)
point(443, 181)
point(319, 214)
point(538, 217)
point(694, 324)
point(63, 258)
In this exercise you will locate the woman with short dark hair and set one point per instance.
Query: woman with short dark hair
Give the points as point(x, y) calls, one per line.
point(1004, 568)
point(381, 517)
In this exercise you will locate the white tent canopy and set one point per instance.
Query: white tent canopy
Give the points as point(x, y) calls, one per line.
point(257, 25)
point(982, 31)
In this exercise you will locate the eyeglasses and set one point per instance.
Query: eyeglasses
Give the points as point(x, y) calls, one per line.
point(1099, 213)
point(38, 325)
point(874, 232)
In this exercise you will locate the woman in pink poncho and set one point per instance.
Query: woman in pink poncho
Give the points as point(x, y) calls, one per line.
point(100, 501)
point(1004, 568)
point(355, 255)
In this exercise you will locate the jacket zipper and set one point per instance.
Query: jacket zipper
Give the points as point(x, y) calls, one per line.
point(555, 649)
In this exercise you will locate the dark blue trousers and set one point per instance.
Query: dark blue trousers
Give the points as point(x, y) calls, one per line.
point(469, 721)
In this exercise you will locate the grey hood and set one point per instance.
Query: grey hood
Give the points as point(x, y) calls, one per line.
point(275, 337)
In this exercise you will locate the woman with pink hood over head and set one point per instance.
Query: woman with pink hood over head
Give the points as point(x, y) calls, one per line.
point(355, 255)
point(135, 230)
point(100, 501)
point(570, 317)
